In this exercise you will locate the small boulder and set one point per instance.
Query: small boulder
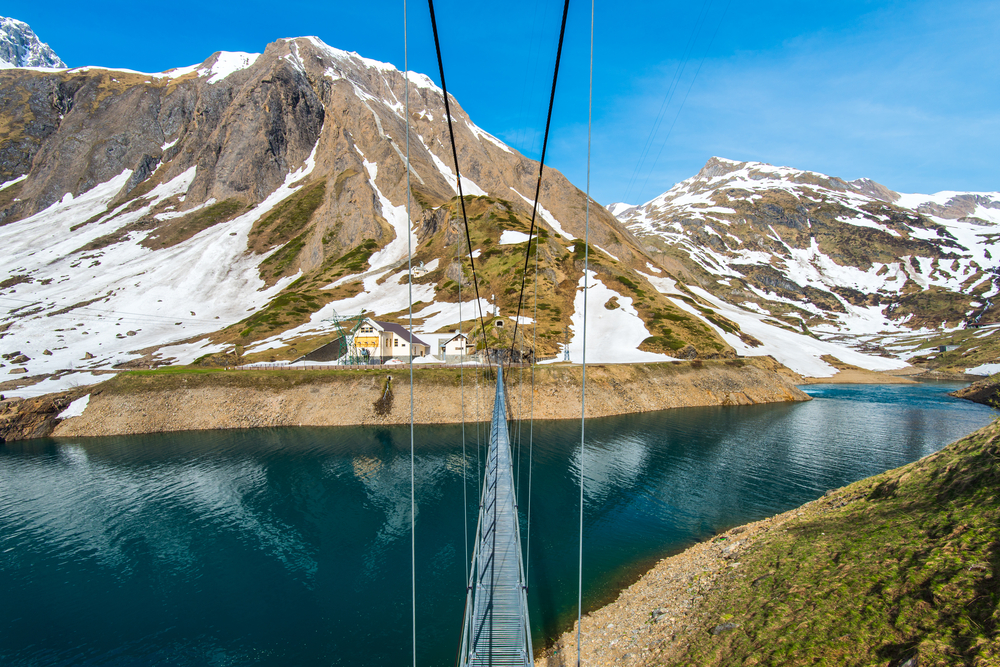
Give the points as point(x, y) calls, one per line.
point(687, 352)
point(20, 359)
point(17, 371)
point(723, 628)
point(47, 353)
point(88, 355)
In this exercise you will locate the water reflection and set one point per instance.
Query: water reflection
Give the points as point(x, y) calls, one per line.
point(292, 546)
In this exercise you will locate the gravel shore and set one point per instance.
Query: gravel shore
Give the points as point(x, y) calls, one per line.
point(651, 621)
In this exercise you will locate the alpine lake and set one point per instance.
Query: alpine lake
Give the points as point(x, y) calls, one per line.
point(292, 546)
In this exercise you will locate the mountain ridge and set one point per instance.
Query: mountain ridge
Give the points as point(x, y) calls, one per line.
point(830, 257)
point(268, 192)
point(223, 212)
point(20, 47)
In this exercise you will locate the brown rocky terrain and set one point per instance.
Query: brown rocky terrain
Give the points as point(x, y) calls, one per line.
point(176, 401)
point(23, 419)
point(985, 391)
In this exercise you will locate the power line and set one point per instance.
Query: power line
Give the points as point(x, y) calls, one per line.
point(681, 107)
point(667, 97)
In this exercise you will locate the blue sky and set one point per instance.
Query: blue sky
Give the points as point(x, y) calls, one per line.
point(906, 93)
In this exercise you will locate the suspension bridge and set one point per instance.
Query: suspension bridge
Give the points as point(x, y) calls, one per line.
point(496, 630)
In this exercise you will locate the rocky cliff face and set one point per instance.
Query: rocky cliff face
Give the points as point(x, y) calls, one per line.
point(20, 47)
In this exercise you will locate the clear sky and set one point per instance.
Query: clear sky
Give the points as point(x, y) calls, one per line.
point(906, 93)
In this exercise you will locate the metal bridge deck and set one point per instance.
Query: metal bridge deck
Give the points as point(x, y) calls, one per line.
point(496, 629)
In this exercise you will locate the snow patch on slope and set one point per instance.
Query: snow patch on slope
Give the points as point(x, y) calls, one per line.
point(613, 336)
point(75, 409)
point(405, 239)
point(116, 300)
point(798, 352)
point(510, 237)
point(548, 217)
point(226, 63)
point(469, 187)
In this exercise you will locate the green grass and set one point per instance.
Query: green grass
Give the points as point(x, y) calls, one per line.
point(181, 229)
point(286, 308)
point(288, 219)
point(356, 260)
point(279, 262)
point(901, 564)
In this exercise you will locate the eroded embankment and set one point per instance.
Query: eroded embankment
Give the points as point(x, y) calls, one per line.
point(153, 402)
point(985, 391)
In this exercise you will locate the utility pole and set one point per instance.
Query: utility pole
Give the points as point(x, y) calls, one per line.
point(566, 345)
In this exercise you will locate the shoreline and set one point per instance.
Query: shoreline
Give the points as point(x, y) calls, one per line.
point(688, 599)
point(186, 398)
point(154, 402)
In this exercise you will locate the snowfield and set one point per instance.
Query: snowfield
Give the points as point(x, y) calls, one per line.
point(84, 311)
point(799, 352)
point(613, 336)
point(971, 259)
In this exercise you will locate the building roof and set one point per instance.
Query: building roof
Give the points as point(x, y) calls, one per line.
point(402, 332)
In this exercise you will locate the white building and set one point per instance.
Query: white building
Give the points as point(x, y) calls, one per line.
point(385, 340)
point(457, 348)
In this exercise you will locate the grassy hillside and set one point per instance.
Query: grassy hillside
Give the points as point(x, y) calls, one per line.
point(898, 566)
point(498, 268)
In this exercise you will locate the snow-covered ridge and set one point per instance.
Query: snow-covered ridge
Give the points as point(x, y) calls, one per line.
point(223, 63)
point(757, 176)
point(20, 47)
point(949, 235)
point(420, 80)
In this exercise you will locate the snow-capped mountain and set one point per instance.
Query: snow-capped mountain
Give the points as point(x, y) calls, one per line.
point(20, 47)
point(234, 206)
point(226, 211)
point(824, 255)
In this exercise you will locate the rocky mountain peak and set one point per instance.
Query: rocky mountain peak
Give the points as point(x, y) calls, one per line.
point(719, 166)
point(20, 47)
point(868, 187)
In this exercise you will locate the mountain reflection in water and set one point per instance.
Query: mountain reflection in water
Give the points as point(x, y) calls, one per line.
point(292, 546)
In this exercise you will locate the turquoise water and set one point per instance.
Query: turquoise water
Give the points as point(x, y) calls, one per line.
point(292, 546)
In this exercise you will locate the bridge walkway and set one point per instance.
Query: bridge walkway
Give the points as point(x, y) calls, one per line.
point(496, 630)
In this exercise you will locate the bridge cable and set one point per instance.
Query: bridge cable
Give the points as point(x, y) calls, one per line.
point(461, 372)
point(409, 268)
point(458, 178)
point(541, 168)
point(583, 384)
